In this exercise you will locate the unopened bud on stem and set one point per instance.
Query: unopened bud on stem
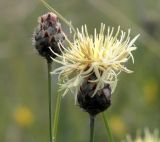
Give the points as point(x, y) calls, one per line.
point(48, 34)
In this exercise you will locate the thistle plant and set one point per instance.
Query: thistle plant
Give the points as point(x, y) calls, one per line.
point(47, 35)
point(91, 65)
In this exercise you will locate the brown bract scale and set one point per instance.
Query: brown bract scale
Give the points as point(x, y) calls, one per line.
point(48, 34)
point(97, 103)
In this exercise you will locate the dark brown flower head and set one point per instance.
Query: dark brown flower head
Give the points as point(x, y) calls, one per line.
point(48, 34)
point(97, 103)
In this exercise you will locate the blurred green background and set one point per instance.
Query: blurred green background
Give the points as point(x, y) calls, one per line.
point(23, 73)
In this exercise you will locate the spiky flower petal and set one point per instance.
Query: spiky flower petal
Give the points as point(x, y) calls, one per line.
point(148, 137)
point(101, 54)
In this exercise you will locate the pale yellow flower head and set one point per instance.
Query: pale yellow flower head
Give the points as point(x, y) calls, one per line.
point(103, 54)
point(148, 137)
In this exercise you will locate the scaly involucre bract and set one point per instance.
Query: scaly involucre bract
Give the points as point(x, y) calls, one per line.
point(101, 54)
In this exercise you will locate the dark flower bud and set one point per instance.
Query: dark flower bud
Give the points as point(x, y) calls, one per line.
point(48, 34)
point(97, 103)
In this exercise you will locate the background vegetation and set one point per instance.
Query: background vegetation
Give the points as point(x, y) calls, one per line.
point(23, 74)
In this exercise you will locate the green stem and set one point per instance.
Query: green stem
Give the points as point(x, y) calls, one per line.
point(92, 120)
point(109, 135)
point(50, 100)
point(56, 116)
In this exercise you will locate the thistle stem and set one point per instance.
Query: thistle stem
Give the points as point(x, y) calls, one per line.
point(92, 120)
point(50, 100)
point(56, 116)
point(109, 134)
